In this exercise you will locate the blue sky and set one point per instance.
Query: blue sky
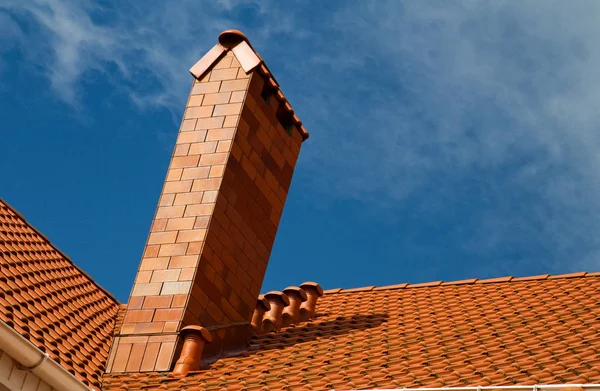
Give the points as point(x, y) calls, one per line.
point(449, 140)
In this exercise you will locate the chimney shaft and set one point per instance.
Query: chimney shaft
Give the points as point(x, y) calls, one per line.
point(217, 217)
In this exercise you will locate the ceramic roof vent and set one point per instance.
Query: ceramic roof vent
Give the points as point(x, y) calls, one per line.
point(262, 306)
point(194, 339)
point(291, 313)
point(272, 319)
point(309, 307)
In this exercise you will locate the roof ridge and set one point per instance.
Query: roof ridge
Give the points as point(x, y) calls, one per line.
point(15, 211)
point(495, 280)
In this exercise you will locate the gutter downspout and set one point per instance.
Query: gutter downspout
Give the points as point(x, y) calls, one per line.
point(34, 360)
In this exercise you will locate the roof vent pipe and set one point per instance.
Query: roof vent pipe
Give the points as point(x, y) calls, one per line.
point(309, 307)
point(272, 319)
point(194, 339)
point(291, 313)
point(262, 305)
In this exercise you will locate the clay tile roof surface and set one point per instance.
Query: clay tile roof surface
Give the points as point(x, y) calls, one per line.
point(51, 302)
point(475, 332)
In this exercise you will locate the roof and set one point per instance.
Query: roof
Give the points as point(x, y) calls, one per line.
point(51, 302)
point(505, 331)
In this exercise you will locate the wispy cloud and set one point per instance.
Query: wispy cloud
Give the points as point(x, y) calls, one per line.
point(482, 112)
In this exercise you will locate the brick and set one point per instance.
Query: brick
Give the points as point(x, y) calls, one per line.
point(169, 212)
point(225, 62)
point(223, 74)
point(199, 210)
point(158, 225)
point(135, 303)
point(195, 136)
point(170, 327)
point(162, 338)
point(179, 300)
point(187, 124)
point(143, 277)
point(220, 134)
point(150, 356)
point(165, 275)
point(166, 200)
point(136, 316)
point(216, 171)
point(185, 161)
point(231, 121)
point(242, 75)
point(199, 112)
point(162, 237)
point(185, 261)
point(202, 148)
point(227, 109)
point(188, 198)
point(177, 187)
point(224, 146)
point(195, 173)
point(157, 301)
point(194, 248)
point(149, 289)
point(180, 223)
point(209, 123)
point(149, 328)
point(121, 357)
point(212, 159)
point(175, 288)
point(174, 175)
point(181, 150)
point(166, 315)
point(169, 250)
point(234, 85)
point(165, 353)
point(206, 88)
point(196, 235)
point(135, 357)
point(237, 97)
point(154, 263)
point(217, 98)
point(206, 184)
point(202, 222)
point(187, 274)
point(151, 251)
point(195, 100)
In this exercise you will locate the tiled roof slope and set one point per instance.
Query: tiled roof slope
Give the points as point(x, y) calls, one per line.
point(51, 302)
point(492, 332)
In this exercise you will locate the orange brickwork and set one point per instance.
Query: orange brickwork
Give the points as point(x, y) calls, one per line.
point(51, 302)
point(214, 228)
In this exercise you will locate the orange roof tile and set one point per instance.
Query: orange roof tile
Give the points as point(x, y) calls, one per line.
point(527, 331)
point(51, 302)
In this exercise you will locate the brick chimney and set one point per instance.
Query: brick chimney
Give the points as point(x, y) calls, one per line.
point(218, 213)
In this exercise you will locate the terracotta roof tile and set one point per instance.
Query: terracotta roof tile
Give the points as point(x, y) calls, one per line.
point(51, 302)
point(430, 335)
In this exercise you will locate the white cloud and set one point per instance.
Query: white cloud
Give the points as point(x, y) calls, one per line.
point(437, 105)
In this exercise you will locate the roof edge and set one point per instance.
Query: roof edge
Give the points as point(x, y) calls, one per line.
point(471, 281)
point(12, 208)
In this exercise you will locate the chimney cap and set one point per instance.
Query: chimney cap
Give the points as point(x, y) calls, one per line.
point(278, 295)
point(262, 301)
point(230, 38)
point(295, 290)
point(309, 285)
point(204, 333)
